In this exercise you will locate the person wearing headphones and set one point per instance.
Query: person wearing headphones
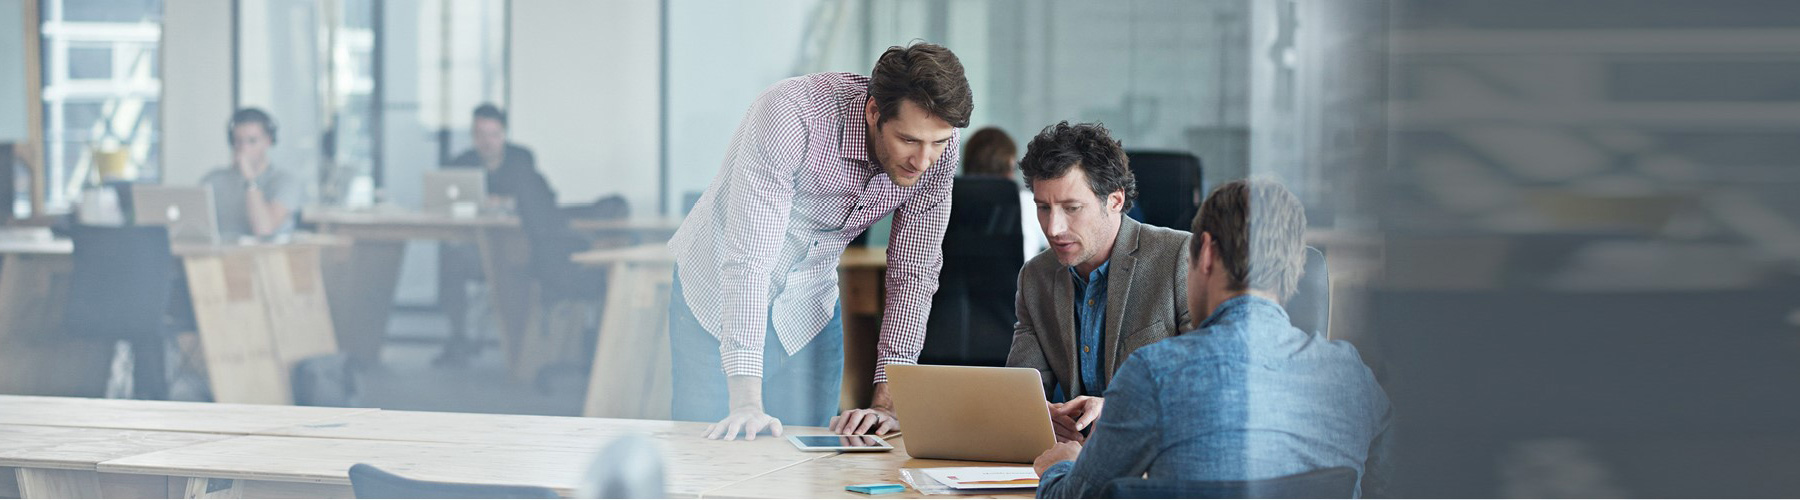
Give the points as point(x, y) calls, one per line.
point(253, 198)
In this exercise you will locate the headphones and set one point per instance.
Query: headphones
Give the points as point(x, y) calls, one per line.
point(250, 115)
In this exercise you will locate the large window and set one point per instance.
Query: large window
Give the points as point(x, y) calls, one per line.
point(369, 89)
point(101, 84)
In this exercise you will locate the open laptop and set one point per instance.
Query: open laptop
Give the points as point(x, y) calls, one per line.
point(972, 412)
point(453, 190)
point(187, 211)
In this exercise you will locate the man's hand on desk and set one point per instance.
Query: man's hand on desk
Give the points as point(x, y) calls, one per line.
point(746, 412)
point(877, 419)
point(750, 422)
point(1075, 416)
point(1062, 452)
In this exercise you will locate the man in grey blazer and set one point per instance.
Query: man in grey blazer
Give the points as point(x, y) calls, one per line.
point(1107, 286)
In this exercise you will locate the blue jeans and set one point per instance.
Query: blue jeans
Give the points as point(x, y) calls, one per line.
point(801, 389)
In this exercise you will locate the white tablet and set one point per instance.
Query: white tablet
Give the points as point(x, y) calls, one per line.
point(840, 443)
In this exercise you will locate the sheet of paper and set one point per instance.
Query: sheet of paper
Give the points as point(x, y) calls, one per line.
point(968, 478)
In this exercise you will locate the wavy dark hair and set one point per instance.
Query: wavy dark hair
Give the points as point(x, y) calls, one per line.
point(1063, 146)
point(929, 75)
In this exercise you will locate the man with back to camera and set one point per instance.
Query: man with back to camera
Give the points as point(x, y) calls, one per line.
point(755, 327)
point(1245, 395)
point(1109, 284)
point(253, 198)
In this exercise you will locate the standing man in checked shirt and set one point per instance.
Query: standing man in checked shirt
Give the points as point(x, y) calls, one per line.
point(755, 327)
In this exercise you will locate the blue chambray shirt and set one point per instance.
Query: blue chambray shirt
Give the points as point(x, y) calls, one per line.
point(1090, 319)
point(1247, 396)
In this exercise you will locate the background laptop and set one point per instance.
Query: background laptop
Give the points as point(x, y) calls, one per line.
point(972, 412)
point(449, 186)
point(187, 211)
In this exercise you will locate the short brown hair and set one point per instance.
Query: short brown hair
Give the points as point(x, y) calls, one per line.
point(1062, 146)
point(927, 74)
point(1260, 229)
point(989, 152)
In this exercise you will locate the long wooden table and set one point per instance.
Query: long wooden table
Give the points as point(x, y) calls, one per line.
point(631, 375)
point(259, 309)
point(827, 477)
point(204, 450)
point(53, 446)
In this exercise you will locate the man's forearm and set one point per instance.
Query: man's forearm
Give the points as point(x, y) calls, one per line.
point(261, 221)
point(745, 391)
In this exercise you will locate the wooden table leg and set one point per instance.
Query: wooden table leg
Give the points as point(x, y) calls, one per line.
point(631, 376)
point(57, 483)
point(200, 487)
point(242, 360)
point(505, 259)
point(359, 286)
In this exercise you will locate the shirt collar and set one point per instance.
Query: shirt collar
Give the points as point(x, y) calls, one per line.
point(1239, 306)
point(853, 138)
point(1098, 274)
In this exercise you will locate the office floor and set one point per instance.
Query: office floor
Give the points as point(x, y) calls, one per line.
point(408, 380)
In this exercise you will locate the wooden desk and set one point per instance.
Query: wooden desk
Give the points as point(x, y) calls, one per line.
point(259, 309)
point(264, 466)
point(646, 229)
point(174, 416)
point(631, 377)
point(827, 477)
point(197, 450)
point(62, 462)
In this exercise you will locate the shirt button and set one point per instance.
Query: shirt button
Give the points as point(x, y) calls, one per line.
point(1090, 302)
point(1084, 348)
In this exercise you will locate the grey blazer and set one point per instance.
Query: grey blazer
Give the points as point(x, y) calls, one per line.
point(1146, 301)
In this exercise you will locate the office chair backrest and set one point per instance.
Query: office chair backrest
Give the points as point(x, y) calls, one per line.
point(1170, 187)
point(122, 279)
point(371, 482)
point(972, 314)
point(1334, 482)
point(1310, 307)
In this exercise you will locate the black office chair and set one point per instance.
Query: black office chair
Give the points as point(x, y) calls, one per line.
point(371, 482)
point(972, 314)
point(1170, 187)
point(1310, 307)
point(1334, 482)
point(123, 277)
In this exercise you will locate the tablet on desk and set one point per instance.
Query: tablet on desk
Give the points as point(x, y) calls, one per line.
point(840, 443)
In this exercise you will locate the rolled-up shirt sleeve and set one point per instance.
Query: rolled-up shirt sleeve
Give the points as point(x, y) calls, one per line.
point(915, 255)
point(765, 155)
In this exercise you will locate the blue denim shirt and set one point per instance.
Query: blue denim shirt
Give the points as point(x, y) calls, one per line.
point(1247, 396)
point(1090, 320)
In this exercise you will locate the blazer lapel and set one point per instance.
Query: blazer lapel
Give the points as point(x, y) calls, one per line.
point(1062, 292)
point(1118, 292)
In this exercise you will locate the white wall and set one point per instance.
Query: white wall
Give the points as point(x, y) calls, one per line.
point(584, 95)
point(196, 99)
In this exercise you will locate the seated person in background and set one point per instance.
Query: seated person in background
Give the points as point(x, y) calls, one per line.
point(253, 198)
point(991, 153)
point(509, 166)
point(512, 181)
point(1109, 285)
point(1244, 396)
